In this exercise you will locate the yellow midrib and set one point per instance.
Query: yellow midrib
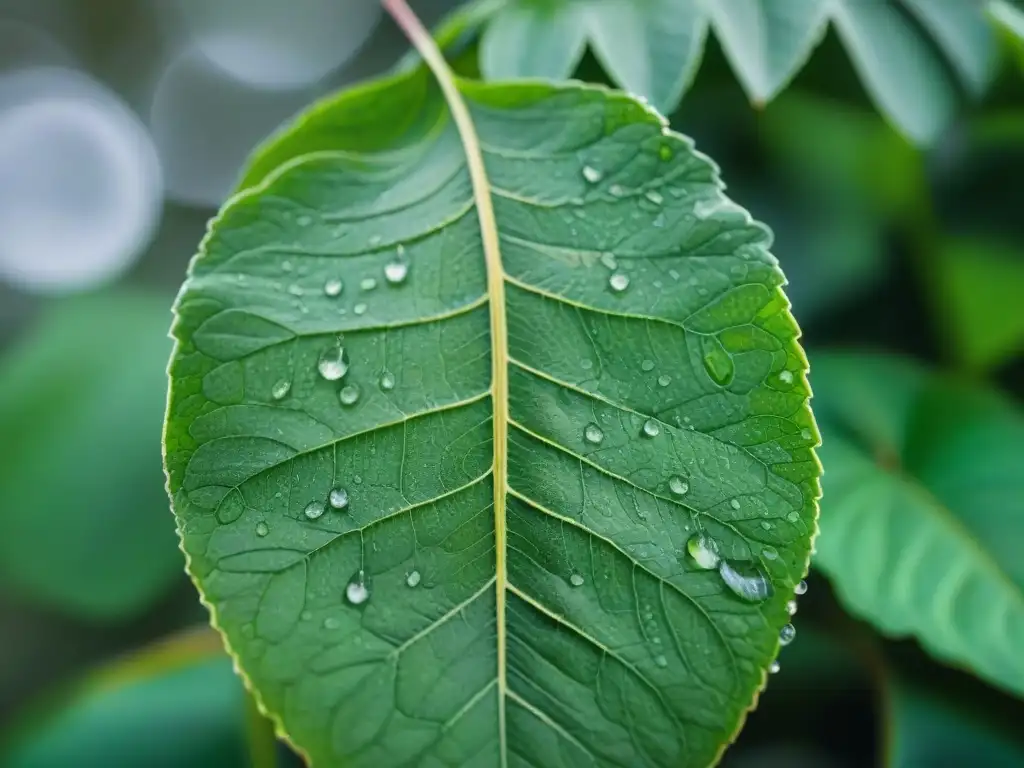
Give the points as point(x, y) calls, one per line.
point(434, 59)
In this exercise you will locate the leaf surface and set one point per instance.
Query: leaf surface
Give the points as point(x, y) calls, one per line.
point(924, 503)
point(524, 443)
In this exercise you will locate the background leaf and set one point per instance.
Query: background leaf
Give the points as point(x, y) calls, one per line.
point(343, 530)
point(83, 386)
point(924, 501)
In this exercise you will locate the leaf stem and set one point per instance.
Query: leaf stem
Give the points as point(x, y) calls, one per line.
point(260, 736)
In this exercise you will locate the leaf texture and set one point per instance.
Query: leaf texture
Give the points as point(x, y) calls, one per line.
point(924, 504)
point(524, 450)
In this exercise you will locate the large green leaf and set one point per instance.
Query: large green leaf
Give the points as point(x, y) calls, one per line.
point(901, 48)
point(565, 352)
point(83, 520)
point(924, 510)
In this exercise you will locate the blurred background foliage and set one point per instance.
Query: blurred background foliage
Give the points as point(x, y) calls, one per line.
point(123, 125)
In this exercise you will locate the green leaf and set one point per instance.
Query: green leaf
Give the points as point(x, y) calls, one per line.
point(928, 728)
point(1009, 17)
point(80, 404)
point(924, 499)
point(471, 548)
point(981, 284)
point(173, 705)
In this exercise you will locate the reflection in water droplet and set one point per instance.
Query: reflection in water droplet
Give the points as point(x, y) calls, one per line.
point(655, 197)
point(619, 282)
point(413, 579)
point(647, 365)
point(664, 381)
point(349, 395)
point(651, 428)
point(314, 510)
point(338, 498)
point(281, 389)
point(678, 485)
point(333, 287)
point(801, 588)
point(387, 381)
point(357, 592)
point(593, 434)
point(786, 634)
point(774, 668)
point(592, 175)
point(333, 362)
point(769, 552)
point(576, 580)
point(368, 283)
point(661, 661)
point(704, 551)
point(746, 581)
point(717, 361)
point(262, 529)
point(395, 272)
point(791, 607)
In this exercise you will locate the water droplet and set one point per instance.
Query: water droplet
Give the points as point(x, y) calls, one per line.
point(769, 552)
point(286, 266)
point(387, 381)
point(616, 190)
point(396, 271)
point(359, 309)
point(664, 381)
point(304, 220)
point(786, 377)
point(358, 480)
point(801, 588)
point(593, 434)
point(349, 394)
point(659, 222)
point(592, 175)
point(661, 661)
point(586, 364)
point(793, 516)
point(333, 287)
point(791, 607)
point(314, 510)
point(295, 289)
point(608, 259)
point(281, 389)
point(647, 365)
point(734, 503)
point(773, 668)
point(678, 485)
point(576, 580)
point(331, 623)
point(704, 551)
point(338, 497)
point(262, 529)
point(786, 634)
point(746, 581)
point(805, 433)
point(766, 525)
point(413, 579)
point(333, 362)
point(357, 592)
point(651, 428)
point(375, 240)
point(619, 282)
point(368, 283)
point(665, 152)
point(717, 362)
point(655, 197)
point(307, 615)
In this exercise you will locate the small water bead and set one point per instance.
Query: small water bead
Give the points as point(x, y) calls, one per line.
point(773, 668)
point(793, 516)
point(651, 428)
point(647, 365)
point(786, 377)
point(304, 220)
point(286, 266)
point(659, 222)
point(295, 290)
point(349, 395)
point(608, 259)
point(333, 362)
point(281, 389)
point(413, 579)
point(801, 588)
point(375, 240)
point(734, 503)
point(678, 485)
point(357, 592)
point(395, 272)
point(576, 580)
point(591, 174)
point(766, 525)
point(593, 434)
point(387, 381)
point(333, 288)
point(746, 581)
point(331, 623)
point(586, 364)
point(359, 309)
point(769, 553)
point(655, 197)
point(307, 615)
point(791, 607)
point(786, 634)
point(661, 661)
point(704, 551)
point(805, 433)
point(338, 498)
point(619, 282)
point(664, 381)
point(314, 510)
point(262, 529)
point(616, 190)
point(368, 283)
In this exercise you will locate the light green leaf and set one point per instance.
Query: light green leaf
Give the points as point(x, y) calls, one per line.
point(922, 496)
point(929, 728)
point(981, 284)
point(532, 40)
point(1009, 17)
point(173, 705)
point(964, 34)
point(84, 524)
point(564, 352)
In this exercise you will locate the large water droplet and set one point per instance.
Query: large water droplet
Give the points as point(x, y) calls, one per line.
point(396, 271)
point(387, 381)
point(773, 668)
point(592, 175)
point(651, 428)
point(717, 362)
point(704, 551)
point(734, 503)
point(801, 588)
point(619, 282)
point(413, 579)
point(647, 365)
point(769, 553)
point(678, 485)
point(338, 497)
point(576, 580)
point(314, 510)
point(349, 395)
point(281, 389)
point(333, 362)
point(333, 287)
point(746, 581)
point(786, 377)
point(593, 434)
point(786, 634)
point(357, 592)
point(664, 381)
point(262, 529)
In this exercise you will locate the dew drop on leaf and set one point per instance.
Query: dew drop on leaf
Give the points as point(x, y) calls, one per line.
point(608, 259)
point(734, 503)
point(704, 551)
point(331, 623)
point(338, 497)
point(593, 434)
point(591, 174)
point(349, 395)
point(387, 381)
point(359, 309)
point(793, 516)
point(262, 529)
point(655, 197)
point(661, 661)
point(304, 220)
point(396, 271)
point(333, 362)
point(786, 634)
point(616, 190)
point(368, 283)
point(791, 607)
point(647, 365)
point(413, 579)
point(619, 282)
point(717, 362)
point(801, 588)
point(357, 592)
point(746, 581)
point(664, 381)
point(333, 287)
point(281, 389)
point(314, 510)
point(774, 668)
point(769, 552)
point(651, 428)
point(678, 485)
point(786, 377)
point(576, 580)
point(295, 289)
